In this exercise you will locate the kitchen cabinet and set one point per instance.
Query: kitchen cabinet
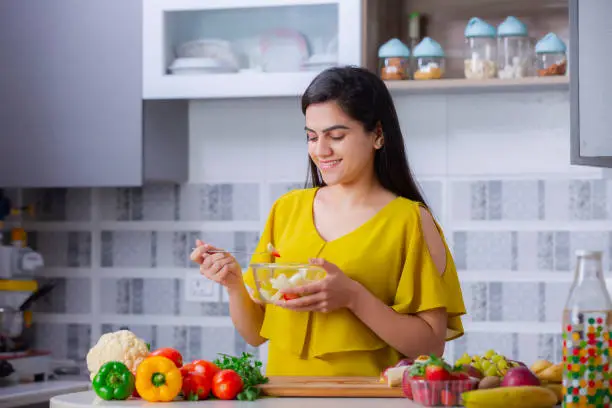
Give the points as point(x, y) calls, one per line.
point(71, 107)
point(590, 86)
point(245, 48)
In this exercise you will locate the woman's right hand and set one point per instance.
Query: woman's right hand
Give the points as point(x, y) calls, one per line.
point(219, 267)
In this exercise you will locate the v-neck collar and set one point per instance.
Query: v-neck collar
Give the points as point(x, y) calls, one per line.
point(369, 221)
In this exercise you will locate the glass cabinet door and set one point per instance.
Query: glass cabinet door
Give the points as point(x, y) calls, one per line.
point(245, 48)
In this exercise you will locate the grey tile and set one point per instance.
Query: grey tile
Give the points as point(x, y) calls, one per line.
point(49, 203)
point(556, 295)
point(55, 301)
point(547, 347)
point(479, 200)
point(478, 310)
point(580, 199)
point(557, 200)
point(128, 249)
point(461, 200)
point(542, 302)
point(194, 344)
point(136, 213)
point(53, 246)
point(527, 251)
point(217, 340)
point(545, 251)
point(245, 202)
point(114, 204)
point(432, 190)
point(460, 249)
point(172, 249)
point(160, 202)
point(137, 296)
point(489, 250)
point(65, 341)
point(245, 243)
point(494, 200)
point(562, 250)
point(160, 296)
point(599, 198)
point(496, 300)
point(79, 249)
point(115, 296)
point(521, 200)
point(521, 301)
point(459, 346)
point(514, 255)
point(541, 200)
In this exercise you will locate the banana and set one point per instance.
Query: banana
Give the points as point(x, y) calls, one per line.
point(552, 374)
point(557, 389)
point(509, 397)
point(540, 365)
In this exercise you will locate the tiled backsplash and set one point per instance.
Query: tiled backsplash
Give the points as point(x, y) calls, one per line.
point(121, 255)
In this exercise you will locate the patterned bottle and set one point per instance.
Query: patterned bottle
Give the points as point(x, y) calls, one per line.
point(587, 343)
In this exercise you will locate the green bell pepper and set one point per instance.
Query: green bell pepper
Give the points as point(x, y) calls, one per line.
point(114, 381)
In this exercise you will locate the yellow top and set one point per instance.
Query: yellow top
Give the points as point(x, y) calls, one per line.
point(387, 254)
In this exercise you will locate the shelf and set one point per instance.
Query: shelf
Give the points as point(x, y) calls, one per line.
point(479, 86)
point(239, 85)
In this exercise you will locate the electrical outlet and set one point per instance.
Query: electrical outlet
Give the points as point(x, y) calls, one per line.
point(200, 289)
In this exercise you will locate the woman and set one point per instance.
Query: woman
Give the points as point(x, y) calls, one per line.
point(391, 288)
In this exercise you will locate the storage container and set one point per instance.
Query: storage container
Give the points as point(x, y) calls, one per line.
point(481, 50)
point(551, 56)
point(394, 60)
point(429, 58)
point(513, 49)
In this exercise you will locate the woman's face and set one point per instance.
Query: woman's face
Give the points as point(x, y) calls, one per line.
point(339, 145)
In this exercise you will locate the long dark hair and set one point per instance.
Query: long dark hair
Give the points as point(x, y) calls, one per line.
point(365, 98)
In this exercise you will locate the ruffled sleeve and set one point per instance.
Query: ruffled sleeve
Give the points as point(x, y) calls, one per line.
point(422, 287)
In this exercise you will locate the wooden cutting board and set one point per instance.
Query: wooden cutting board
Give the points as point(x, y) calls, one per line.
point(344, 387)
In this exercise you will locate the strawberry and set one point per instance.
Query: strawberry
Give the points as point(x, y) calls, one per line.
point(448, 398)
point(459, 375)
point(437, 370)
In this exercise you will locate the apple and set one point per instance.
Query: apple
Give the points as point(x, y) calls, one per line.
point(520, 376)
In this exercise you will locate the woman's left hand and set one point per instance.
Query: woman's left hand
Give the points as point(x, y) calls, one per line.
point(335, 291)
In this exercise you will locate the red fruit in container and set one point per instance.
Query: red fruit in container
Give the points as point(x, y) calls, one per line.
point(448, 398)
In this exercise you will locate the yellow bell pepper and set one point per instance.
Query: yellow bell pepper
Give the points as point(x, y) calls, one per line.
point(158, 379)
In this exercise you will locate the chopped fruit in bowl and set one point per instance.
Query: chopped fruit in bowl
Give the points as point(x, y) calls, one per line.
point(271, 279)
point(272, 251)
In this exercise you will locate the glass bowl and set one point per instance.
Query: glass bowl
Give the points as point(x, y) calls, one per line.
point(436, 393)
point(271, 278)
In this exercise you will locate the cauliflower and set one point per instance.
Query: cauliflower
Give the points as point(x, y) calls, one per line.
point(122, 345)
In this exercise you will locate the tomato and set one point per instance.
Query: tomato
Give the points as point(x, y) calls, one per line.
point(227, 384)
point(171, 354)
point(207, 368)
point(196, 386)
point(289, 296)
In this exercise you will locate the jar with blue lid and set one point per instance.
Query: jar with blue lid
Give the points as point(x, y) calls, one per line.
point(481, 50)
point(394, 60)
point(513, 49)
point(429, 57)
point(551, 56)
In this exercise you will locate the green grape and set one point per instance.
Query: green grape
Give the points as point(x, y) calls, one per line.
point(497, 358)
point(492, 372)
point(466, 356)
point(502, 364)
point(476, 365)
point(475, 357)
point(485, 364)
point(489, 353)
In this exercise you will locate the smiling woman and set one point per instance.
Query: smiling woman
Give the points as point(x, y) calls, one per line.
point(391, 289)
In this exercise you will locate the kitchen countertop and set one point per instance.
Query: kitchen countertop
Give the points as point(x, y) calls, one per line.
point(89, 398)
point(39, 392)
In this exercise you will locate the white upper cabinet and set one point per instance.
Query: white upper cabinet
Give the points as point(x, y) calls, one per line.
point(196, 49)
